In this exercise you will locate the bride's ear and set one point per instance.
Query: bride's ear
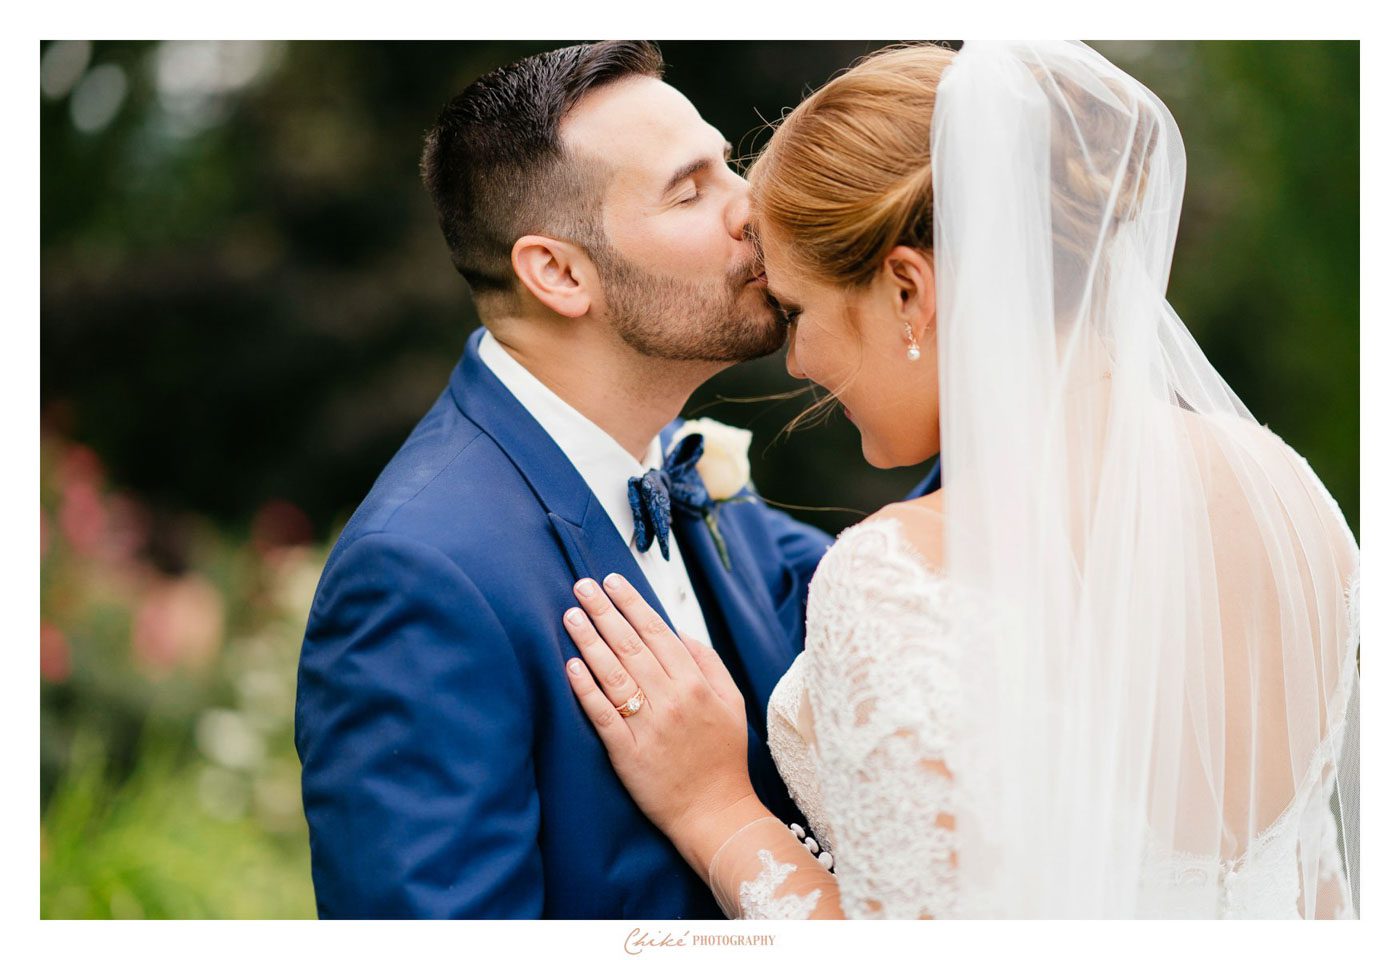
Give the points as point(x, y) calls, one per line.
point(558, 274)
point(908, 274)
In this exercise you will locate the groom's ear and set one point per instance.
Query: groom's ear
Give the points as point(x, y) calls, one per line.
point(557, 273)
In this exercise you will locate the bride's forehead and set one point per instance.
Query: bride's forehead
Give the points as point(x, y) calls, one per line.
point(770, 248)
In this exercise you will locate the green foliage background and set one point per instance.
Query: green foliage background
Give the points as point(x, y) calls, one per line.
point(246, 305)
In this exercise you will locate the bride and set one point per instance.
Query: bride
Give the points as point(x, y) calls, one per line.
point(1106, 671)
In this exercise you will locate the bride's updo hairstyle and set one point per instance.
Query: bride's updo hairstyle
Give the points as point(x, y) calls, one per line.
point(846, 176)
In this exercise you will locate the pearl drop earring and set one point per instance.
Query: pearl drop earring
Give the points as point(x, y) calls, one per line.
point(913, 352)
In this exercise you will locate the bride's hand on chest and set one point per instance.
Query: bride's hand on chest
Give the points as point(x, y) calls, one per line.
point(667, 710)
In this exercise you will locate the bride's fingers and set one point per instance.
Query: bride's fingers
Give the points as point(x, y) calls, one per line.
point(611, 726)
point(634, 655)
point(616, 682)
point(650, 627)
point(715, 672)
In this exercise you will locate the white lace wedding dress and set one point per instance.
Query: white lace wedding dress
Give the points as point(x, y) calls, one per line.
point(860, 726)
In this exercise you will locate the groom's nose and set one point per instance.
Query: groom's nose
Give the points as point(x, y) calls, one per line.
point(737, 213)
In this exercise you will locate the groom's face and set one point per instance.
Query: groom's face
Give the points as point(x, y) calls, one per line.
point(679, 276)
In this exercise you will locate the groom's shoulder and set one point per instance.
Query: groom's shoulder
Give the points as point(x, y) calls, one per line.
point(446, 489)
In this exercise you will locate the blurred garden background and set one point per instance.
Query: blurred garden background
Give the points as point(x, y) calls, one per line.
point(246, 305)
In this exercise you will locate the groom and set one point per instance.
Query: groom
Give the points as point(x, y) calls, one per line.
point(447, 768)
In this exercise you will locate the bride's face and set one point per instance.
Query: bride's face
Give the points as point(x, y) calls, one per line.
point(853, 342)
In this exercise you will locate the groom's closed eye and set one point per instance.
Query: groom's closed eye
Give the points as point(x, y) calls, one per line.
point(696, 168)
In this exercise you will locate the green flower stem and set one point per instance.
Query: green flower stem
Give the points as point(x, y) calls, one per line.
point(712, 521)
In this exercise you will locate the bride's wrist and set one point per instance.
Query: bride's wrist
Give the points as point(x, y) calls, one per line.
point(700, 833)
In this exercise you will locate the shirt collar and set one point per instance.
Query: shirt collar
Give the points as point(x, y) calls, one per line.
point(602, 462)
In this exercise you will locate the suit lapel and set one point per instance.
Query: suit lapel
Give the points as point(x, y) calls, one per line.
point(586, 535)
point(755, 638)
point(740, 617)
point(595, 550)
point(750, 638)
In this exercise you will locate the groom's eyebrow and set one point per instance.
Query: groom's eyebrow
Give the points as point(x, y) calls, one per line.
point(694, 167)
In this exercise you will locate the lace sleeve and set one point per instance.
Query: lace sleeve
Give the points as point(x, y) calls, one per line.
point(881, 644)
point(884, 633)
point(763, 872)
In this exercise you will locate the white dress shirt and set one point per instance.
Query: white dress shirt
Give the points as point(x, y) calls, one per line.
point(606, 467)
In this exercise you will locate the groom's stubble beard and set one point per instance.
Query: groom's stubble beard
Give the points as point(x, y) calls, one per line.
point(669, 319)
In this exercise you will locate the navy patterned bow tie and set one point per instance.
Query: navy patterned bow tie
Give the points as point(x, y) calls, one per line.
point(676, 485)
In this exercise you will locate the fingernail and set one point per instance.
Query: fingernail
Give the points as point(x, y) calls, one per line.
point(613, 581)
point(586, 588)
point(576, 666)
point(575, 617)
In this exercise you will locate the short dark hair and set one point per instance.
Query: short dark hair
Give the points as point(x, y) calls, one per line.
point(494, 166)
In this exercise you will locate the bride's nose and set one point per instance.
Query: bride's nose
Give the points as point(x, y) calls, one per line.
point(794, 368)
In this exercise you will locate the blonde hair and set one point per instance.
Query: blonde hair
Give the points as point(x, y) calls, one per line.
point(847, 175)
point(845, 178)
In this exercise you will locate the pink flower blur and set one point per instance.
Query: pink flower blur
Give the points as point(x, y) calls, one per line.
point(55, 662)
point(280, 523)
point(82, 517)
point(127, 528)
point(80, 466)
point(180, 622)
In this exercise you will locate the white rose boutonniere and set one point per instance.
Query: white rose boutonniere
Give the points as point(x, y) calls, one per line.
point(723, 468)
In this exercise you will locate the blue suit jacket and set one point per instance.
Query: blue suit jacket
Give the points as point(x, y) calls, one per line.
point(931, 481)
point(447, 768)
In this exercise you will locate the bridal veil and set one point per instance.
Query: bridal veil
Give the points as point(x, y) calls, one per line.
point(1176, 647)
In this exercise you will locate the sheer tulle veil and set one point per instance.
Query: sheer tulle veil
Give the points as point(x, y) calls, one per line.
point(1175, 590)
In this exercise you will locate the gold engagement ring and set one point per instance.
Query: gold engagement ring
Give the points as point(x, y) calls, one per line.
point(634, 704)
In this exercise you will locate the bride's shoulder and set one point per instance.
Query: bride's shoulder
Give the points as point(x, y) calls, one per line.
point(910, 531)
point(1239, 458)
point(884, 576)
